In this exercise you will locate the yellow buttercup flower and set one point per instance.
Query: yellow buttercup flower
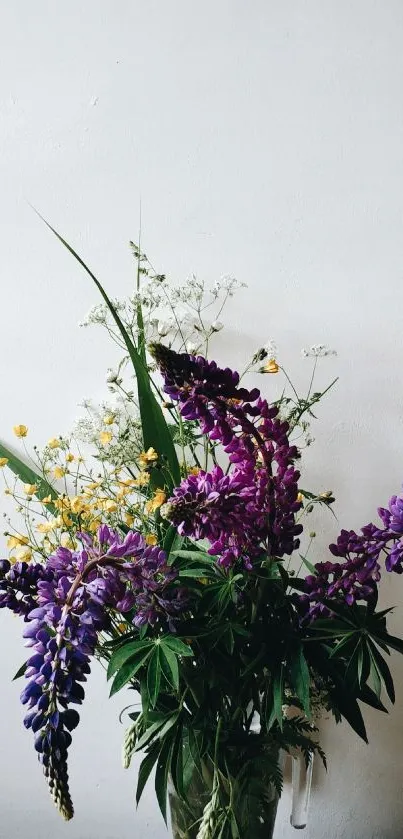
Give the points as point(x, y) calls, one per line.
point(105, 437)
point(148, 458)
point(77, 504)
point(109, 419)
point(70, 457)
point(3, 461)
point(270, 367)
point(59, 472)
point(143, 478)
point(20, 430)
point(30, 489)
point(17, 541)
point(45, 527)
point(23, 554)
point(156, 501)
point(93, 526)
point(54, 443)
point(109, 506)
point(151, 539)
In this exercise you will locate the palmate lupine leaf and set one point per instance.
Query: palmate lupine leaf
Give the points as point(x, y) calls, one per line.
point(28, 475)
point(156, 433)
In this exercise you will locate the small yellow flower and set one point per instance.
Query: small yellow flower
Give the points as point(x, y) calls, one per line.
point(17, 541)
point(94, 485)
point(194, 470)
point(155, 502)
point(271, 366)
point(30, 489)
point(109, 506)
point(109, 419)
point(300, 498)
point(143, 478)
point(44, 527)
point(127, 482)
point(70, 457)
point(47, 500)
point(129, 519)
point(3, 461)
point(151, 539)
point(23, 554)
point(20, 430)
point(93, 526)
point(54, 443)
point(77, 504)
point(148, 458)
point(67, 542)
point(105, 437)
point(59, 472)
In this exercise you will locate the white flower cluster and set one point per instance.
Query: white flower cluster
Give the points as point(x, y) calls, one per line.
point(318, 351)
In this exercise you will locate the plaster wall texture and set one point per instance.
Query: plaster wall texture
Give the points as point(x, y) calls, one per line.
point(265, 141)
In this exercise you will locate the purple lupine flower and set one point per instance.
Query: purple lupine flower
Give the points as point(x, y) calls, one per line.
point(66, 603)
point(356, 578)
point(19, 583)
point(252, 508)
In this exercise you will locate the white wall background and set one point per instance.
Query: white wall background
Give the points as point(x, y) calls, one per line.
point(265, 141)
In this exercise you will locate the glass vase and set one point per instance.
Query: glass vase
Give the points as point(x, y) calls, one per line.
point(186, 817)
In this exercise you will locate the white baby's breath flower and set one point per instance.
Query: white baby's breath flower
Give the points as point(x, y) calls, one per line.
point(191, 348)
point(164, 327)
point(271, 348)
point(318, 351)
point(217, 326)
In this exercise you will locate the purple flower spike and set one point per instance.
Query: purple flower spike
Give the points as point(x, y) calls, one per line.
point(251, 509)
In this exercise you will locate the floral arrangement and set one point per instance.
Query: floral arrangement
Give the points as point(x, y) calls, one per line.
point(159, 537)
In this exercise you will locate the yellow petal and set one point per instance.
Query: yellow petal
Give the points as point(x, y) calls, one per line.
point(47, 499)
point(30, 489)
point(109, 419)
point(23, 554)
point(54, 443)
point(70, 457)
point(20, 430)
point(300, 498)
point(3, 461)
point(151, 539)
point(59, 472)
point(17, 540)
point(105, 437)
point(270, 367)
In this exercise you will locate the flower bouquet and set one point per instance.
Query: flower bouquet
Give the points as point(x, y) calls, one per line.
point(162, 537)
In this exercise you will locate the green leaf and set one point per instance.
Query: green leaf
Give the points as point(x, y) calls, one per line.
point(146, 768)
point(169, 666)
point(158, 729)
point(154, 676)
point(278, 695)
point(300, 679)
point(311, 568)
point(161, 776)
point(383, 670)
point(129, 670)
point(391, 641)
point(155, 429)
point(176, 645)
point(20, 672)
point(122, 654)
point(194, 573)
point(177, 770)
point(28, 475)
